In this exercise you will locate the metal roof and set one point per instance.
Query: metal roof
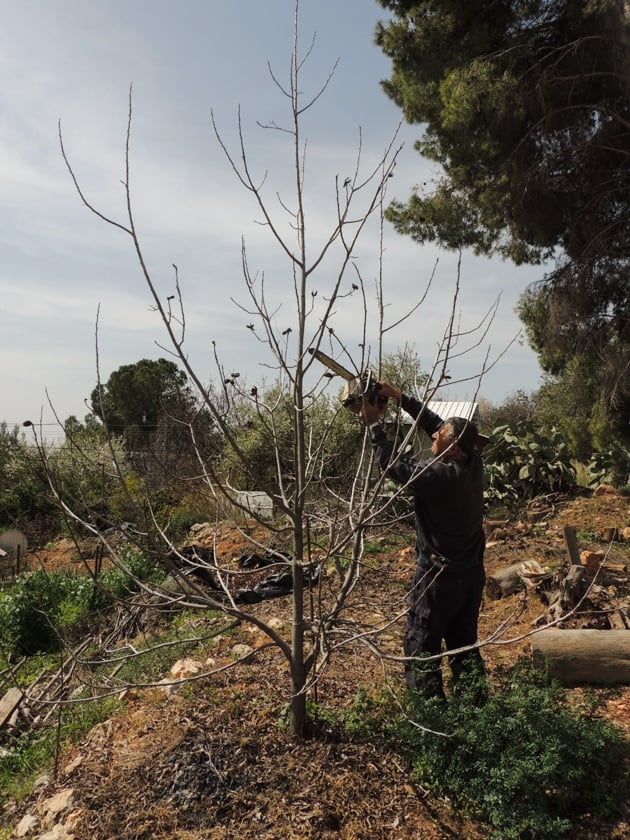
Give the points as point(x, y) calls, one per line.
point(451, 408)
point(454, 408)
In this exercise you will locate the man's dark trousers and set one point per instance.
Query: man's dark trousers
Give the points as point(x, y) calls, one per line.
point(443, 605)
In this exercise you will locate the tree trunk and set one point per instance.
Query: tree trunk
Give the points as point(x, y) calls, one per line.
point(584, 656)
point(298, 671)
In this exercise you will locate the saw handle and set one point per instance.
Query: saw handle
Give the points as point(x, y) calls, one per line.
point(371, 390)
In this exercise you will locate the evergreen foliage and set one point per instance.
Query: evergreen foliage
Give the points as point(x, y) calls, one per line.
point(526, 111)
point(526, 108)
point(134, 397)
point(526, 763)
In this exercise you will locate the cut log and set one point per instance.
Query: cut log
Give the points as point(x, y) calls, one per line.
point(9, 703)
point(584, 656)
point(510, 579)
point(504, 582)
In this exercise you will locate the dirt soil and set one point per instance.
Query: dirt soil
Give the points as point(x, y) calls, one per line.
point(211, 760)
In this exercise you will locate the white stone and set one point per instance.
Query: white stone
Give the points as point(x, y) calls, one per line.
point(57, 804)
point(184, 668)
point(239, 651)
point(72, 765)
point(26, 824)
point(41, 782)
point(276, 623)
point(57, 832)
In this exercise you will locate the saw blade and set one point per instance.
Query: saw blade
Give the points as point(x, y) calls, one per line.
point(331, 364)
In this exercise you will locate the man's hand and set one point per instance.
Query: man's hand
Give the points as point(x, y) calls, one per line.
point(372, 412)
point(389, 391)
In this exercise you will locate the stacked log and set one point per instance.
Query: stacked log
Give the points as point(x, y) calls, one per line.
point(583, 656)
point(584, 591)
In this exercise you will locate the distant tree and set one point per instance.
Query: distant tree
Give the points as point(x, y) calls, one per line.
point(91, 423)
point(271, 418)
point(583, 343)
point(518, 407)
point(9, 440)
point(87, 469)
point(527, 107)
point(402, 368)
point(134, 397)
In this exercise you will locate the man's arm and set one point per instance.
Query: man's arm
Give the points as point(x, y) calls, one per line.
point(403, 468)
point(429, 420)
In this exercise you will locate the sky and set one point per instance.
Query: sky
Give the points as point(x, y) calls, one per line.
point(74, 298)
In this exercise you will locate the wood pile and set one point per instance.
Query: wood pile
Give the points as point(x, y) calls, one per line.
point(584, 629)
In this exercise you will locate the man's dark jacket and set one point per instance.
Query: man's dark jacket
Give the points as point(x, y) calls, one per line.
point(448, 496)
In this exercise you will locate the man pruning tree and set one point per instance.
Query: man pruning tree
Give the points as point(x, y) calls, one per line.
point(448, 584)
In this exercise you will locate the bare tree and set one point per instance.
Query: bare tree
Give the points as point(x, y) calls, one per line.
point(322, 521)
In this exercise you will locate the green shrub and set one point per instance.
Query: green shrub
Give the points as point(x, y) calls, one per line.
point(524, 462)
point(77, 597)
point(29, 612)
point(525, 763)
point(140, 565)
point(37, 604)
point(188, 512)
point(121, 582)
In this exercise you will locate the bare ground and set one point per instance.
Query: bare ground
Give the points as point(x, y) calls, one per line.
point(212, 761)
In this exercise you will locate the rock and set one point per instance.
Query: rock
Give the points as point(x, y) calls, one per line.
point(41, 782)
point(57, 804)
point(592, 560)
point(57, 832)
point(72, 765)
point(166, 685)
point(276, 623)
point(26, 825)
point(185, 668)
point(605, 490)
point(202, 531)
point(240, 651)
